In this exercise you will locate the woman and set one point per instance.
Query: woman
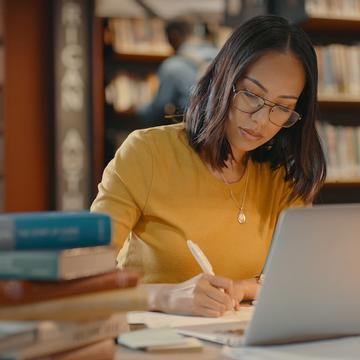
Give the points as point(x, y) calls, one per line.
point(247, 149)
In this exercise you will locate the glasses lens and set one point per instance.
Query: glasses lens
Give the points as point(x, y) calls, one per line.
point(247, 102)
point(283, 117)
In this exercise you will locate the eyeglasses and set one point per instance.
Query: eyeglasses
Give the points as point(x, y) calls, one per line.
point(249, 103)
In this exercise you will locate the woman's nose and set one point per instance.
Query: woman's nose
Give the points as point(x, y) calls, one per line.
point(261, 117)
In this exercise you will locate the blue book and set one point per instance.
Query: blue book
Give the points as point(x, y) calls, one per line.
point(54, 230)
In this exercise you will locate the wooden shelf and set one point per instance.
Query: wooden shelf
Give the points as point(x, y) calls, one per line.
point(126, 114)
point(339, 100)
point(351, 182)
point(328, 23)
point(146, 57)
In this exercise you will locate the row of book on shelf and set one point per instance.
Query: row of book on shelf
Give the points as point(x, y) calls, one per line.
point(339, 73)
point(333, 8)
point(341, 145)
point(61, 296)
point(339, 69)
point(138, 35)
point(128, 91)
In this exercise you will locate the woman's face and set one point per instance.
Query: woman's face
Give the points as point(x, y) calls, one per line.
point(277, 77)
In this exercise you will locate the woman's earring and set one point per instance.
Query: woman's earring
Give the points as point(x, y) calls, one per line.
point(270, 145)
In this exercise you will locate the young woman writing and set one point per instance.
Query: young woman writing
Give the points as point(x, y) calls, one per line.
point(246, 150)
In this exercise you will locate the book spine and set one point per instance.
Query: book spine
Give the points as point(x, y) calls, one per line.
point(72, 338)
point(104, 350)
point(73, 151)
point(17, 292)
point(54, 231)
point(86, 307)
point(34, 265)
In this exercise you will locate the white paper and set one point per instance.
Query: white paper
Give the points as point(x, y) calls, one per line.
point(343, 348)
point(151, 337)
point(156, 319)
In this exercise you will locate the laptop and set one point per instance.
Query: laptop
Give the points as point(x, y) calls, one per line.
point(311, 289)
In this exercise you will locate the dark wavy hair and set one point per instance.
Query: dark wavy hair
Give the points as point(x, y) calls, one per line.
point(297, 148)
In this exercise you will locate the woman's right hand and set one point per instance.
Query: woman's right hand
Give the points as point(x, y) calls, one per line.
point(202, 295)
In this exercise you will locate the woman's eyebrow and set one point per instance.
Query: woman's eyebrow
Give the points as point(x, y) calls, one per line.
point(262, 87)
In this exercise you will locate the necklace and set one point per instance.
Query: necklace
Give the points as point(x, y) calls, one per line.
point(241, 218)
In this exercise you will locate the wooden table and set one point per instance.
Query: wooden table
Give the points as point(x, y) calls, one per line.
point(209, 352)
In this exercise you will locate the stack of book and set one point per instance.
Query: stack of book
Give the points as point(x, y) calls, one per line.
point(60, 291)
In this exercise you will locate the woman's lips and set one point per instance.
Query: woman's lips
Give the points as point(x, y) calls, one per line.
point(250, 135)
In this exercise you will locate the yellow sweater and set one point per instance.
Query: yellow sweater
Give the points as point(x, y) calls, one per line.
point(159, 194)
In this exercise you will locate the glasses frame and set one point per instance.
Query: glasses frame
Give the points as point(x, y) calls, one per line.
point(268, 103)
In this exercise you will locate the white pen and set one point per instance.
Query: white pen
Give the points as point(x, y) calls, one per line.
point(200, 258)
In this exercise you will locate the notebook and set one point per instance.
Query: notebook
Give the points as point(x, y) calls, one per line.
point(159, 340)
point(311, 288)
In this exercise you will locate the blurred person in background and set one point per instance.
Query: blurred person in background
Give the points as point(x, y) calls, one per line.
point(177, 74)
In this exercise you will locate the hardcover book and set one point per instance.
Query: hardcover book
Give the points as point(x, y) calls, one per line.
point(104, 350)
point(57, 265)
point(86, 307)
point(54, 230)
point(67, 336)
point(18, 292)
point(14, 334)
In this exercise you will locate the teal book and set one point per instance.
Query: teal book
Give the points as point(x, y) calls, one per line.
point(52, 265)
point(54, 230)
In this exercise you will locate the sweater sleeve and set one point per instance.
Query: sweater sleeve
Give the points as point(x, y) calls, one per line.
point(125, 186)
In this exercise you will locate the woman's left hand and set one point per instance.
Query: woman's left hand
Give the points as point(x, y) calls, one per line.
point(244, 290)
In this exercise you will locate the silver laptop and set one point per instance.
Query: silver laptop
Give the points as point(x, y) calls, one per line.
point(311, 289)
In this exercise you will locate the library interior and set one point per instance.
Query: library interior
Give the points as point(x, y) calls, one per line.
point(102, 96)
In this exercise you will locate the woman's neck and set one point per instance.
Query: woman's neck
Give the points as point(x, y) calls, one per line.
point(233, 171)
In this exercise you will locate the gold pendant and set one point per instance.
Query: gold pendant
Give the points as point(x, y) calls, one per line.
point(241, 217)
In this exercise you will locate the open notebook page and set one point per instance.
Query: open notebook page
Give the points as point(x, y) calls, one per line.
point(156, 319)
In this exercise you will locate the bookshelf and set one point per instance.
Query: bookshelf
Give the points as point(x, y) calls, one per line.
point(134, 47)
point(334, 27)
